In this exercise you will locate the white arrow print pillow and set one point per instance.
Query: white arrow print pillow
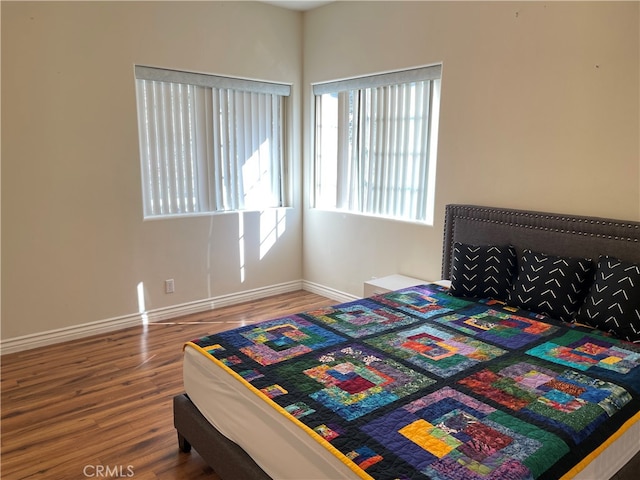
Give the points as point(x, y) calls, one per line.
point(551, 285)
point(482, 271)
point(613, 303)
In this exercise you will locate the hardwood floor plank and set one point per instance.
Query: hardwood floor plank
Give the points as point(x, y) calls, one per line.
point(106, 401)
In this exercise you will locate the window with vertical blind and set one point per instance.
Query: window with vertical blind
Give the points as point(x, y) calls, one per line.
point(376, 142)
point(209, 143)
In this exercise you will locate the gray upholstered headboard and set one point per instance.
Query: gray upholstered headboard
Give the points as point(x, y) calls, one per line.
point(551, 233)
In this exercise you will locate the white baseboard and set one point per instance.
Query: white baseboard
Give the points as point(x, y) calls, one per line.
point(328, 292)
point(50, 337)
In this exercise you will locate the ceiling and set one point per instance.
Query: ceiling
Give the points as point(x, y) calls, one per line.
point(300, 5)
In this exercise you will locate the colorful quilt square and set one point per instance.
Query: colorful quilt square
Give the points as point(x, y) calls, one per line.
point(215, 349)
point(567, 400)
point(361, 318)
point(299, 409)
point(277, 340)
point(436, 350)
point(434, 439)
point(353, 381)
point(502, 328)
point(423, 301)
point(606, 356)
point(250, 375)
point(273, 391)
point(448, 434)
point(328, 432)
point(231, 360)
point(364, 457)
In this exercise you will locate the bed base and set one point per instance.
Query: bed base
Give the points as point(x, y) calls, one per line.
point(225, 457)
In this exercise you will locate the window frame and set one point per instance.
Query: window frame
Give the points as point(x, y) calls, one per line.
point(207, 203)
point(430, 73)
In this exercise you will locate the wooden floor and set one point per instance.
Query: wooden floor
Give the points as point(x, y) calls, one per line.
point(101, 407)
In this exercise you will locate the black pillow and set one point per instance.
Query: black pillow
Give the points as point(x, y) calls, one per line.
point(550, 285)
point(485, 271)
point(613, 303)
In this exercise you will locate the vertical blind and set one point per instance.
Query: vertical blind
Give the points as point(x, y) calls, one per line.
point(383, 143)
point(209, 143)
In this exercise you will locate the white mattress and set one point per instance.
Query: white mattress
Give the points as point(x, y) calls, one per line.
point(284, 451)
point(281, 448)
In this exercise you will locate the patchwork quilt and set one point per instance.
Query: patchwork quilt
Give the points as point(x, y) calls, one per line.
point(418, 384)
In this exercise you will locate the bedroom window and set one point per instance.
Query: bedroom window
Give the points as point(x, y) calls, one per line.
point(376, 140)
point(209, 143)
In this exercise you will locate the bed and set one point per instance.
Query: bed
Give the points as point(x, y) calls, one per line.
point(491, 373)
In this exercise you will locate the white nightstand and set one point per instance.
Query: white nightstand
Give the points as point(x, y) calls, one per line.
point(376, 286)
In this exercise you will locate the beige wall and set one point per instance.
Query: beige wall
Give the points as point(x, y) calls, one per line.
point(74, 245)
point(540, 110)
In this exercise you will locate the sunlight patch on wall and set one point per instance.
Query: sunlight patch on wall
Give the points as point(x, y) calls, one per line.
point(241, 245)
point(141, 305)
point(272, 226)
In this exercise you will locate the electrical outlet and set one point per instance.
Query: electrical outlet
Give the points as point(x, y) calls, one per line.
point(169, 286)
